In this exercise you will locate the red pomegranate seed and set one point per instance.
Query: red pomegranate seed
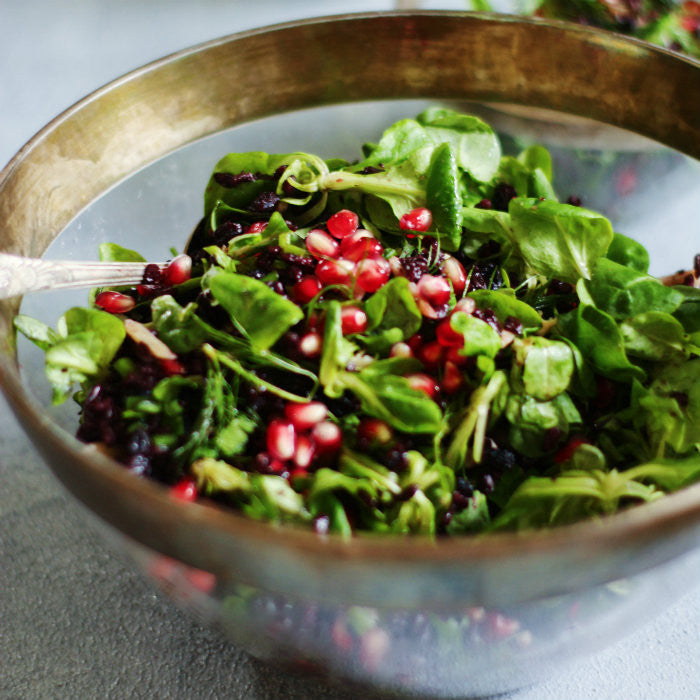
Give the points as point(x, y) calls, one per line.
point(185, 489)
point(281, 439)
point(315, 322)
point(172, 367)
point(304, 416)
point(343, 223)
point(179, 270)
point(372, 273)
point(114, 302)
point(203, 581)
point(335, 271)
point(327, 437)
point(424, 383)
point(499, 626)
point(147, 290)
point(310, 344)
point(447, 336)
point(567, 452)
point(454, 356)
point(419, 219)
point(690, 24)
point(304, 452)
point(452, 379)
point(376, 431)
point(257, 227)
point(306, 289)
point(454, 271)
point(341, 637)
point(321, 245)
point(434, 289)
point(401, 350)
point(414, 342)
point(353, 320)
point(359, 245)
point(431, 354)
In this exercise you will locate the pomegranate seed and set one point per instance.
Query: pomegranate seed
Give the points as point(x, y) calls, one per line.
point(499, 626)
point(281, 439)
point(414, 342)
point(424, 383)
point(374, 645)
point(375, 431)
point(306, 289)
point(304, 452)
point(372, 273)
point(335, 271)
point(341, 637)
point(454, 271)
point(201, 580)
point(265, 463)
point(310, 344)
point(321, 245)
point(401, 350)
point(454, 356)
point(567, 452)
point(419, 219)
point(353, 320)
point(304, 416)
point(690, 24)
point(172, 367)
point(179, 270)
point(467, 305)
point(315, 322)
point(434, 289)
point(343, 223)
point(359, 245)
point(147, 290)
point(114, 302)
point(327, 437)
point(447, 336)
point(431, 354)
point(476, 614)
point(185, 490)
point(452, 379)
point(257, 227)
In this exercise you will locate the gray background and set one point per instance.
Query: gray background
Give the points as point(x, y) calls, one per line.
point(75, 621)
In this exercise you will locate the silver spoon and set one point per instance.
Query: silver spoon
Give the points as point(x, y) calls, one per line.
point(19, 275)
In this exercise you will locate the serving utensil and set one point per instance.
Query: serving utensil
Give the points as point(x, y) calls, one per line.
point(19, 275)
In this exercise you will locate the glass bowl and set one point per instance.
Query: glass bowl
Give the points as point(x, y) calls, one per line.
point(452, 618)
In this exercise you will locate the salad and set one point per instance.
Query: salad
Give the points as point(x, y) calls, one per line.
point(668, 23)
point(421, 341)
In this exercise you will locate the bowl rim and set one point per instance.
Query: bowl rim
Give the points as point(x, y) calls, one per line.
point(671, 514)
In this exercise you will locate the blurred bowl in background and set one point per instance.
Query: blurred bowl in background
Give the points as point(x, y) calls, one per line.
point(471, 616)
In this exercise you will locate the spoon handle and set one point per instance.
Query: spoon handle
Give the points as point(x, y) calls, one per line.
point(20, 275)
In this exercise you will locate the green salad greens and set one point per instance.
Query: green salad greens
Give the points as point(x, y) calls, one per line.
point(422, 341)
point(672, 24)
